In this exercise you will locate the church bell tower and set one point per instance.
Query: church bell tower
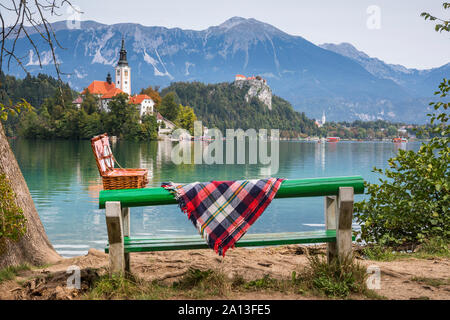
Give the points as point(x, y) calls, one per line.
point(123, 71)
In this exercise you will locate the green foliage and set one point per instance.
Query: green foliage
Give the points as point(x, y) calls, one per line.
point(149, 128)
point(7, 274)
point(224, 106)
point(12, 220)
point(55, 121)
point(443, 25)
point(13, 109)
point(153, 92)
point(54, 115)
point(186, 119)
point(412, 204)
point(436, 247)
point(431, 281)
point(116, 286)
point(122, 120)
point(265, 282)
point(207, 281)
point(192, 278)
point(379, 129)
point(18, 95)
point(10, 273)
point(194, 284)
point(336, 279)
point(169, 108)
point(378, 252)
point(22, 94)
point(430, 248)
point(90, 103)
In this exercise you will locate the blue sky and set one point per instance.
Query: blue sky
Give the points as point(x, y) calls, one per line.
point(403, 37)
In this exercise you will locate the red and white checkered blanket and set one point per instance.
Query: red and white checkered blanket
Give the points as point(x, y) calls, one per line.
point(222, 211)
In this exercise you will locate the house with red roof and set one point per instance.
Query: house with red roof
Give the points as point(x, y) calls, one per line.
point(77, 102)
point(145, 103)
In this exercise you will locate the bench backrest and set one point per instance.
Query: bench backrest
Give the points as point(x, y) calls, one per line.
point(295, 188)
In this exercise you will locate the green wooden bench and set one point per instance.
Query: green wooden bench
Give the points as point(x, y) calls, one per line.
point(338, 192)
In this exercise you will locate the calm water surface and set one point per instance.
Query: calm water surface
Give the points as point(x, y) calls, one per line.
point(64, 182)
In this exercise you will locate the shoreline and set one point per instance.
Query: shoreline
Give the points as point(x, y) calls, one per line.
point(404, 278)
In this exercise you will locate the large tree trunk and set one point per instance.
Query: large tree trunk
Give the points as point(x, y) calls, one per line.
point(34, 247)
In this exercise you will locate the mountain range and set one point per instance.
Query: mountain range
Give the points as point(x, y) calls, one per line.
point(336, 79)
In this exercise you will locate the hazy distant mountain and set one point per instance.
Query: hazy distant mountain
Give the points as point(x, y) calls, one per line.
point(347, 84)
point(419, 83)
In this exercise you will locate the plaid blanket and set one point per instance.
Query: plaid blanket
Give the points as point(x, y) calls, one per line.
point(222, 211)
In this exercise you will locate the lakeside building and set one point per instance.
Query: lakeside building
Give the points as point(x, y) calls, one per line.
point(105, 91)
point(145, 102)
point(321, 122)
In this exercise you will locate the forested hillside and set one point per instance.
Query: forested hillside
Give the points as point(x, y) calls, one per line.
point(54, 115)
point(34, 89)
point(224, 106)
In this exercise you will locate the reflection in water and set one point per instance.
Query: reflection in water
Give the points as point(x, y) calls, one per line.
point(400, 146)
point(320, 155)
point(64, 182)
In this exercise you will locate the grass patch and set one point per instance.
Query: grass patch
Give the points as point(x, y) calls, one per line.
point(338, 279)
point(129, 287)
point(198, 284)
point(431, 281)
point(432, 248)
point(265, 283)
point(435, 247)
point(379, 253)
point(10, 273)
point(194, 284)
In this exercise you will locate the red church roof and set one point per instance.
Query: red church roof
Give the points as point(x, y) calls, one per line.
point(99, 87)
point(112, 93)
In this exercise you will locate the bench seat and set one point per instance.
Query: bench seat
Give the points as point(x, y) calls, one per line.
point(248, 240)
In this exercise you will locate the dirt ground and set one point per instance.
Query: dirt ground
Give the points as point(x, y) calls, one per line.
point(398, 278)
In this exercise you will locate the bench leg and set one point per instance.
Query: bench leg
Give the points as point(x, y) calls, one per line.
point(331, 207)
point(344, 223)
point(126, 233)
point(115, 237)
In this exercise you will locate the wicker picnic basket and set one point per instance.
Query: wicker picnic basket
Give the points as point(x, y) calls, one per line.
point(115, 178)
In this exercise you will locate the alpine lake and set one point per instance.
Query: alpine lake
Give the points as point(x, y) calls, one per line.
point(64, 182)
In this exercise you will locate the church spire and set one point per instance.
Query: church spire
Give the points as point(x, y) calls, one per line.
point(123, 55)
point(123, 71)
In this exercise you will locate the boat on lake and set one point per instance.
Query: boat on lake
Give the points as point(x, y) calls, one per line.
point(333, 139)
point(399, 140)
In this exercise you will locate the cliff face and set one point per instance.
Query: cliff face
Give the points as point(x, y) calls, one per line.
point(224, 106)
point(257, 89)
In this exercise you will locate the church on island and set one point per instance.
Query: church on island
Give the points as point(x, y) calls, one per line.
point(320, 123)
point(107, 90)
